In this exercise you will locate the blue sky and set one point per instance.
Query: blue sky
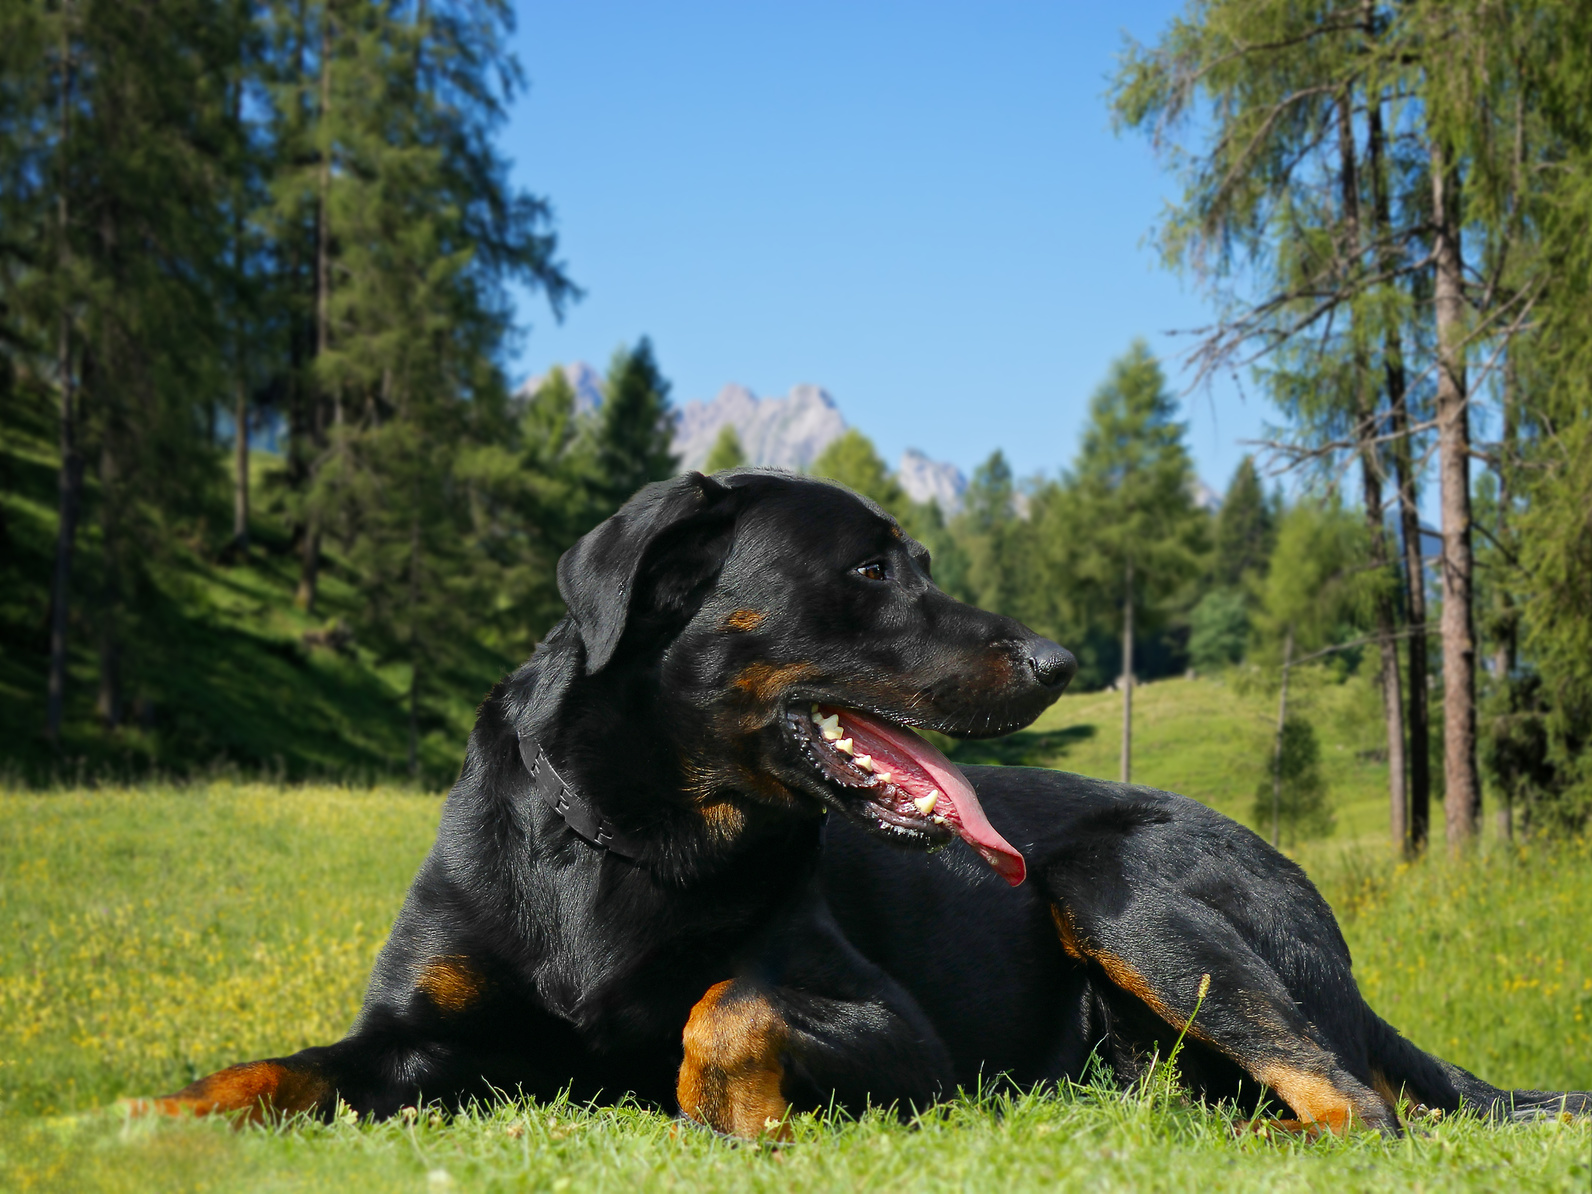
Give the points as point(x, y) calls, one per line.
point(921, 207)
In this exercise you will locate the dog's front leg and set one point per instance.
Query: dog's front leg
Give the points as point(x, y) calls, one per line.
point(808, 1023)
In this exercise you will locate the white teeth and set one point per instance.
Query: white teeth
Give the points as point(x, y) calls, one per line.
point(844, 746)
point(925, 804)
point(939, 820)
point(864, 761)
point(828, 725)
point(883, 775)
point(831, 735)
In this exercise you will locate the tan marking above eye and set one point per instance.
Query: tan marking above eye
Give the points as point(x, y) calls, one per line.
point(743, 620)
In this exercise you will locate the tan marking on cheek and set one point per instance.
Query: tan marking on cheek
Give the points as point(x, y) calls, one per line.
point(452, 984)
point(732, 1072)
point(743, 620)
point(1313, 1097)
point(767, 682)
point(259, 1088)
point(724, 818)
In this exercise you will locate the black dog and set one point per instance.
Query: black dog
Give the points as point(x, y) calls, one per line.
point(633, 888)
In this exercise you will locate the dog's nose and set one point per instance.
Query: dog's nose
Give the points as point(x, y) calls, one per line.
point(1053, 664)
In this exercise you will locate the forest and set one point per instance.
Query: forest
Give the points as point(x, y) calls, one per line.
point(268, 501)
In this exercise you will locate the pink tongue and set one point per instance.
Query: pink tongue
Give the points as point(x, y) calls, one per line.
point(918, 768)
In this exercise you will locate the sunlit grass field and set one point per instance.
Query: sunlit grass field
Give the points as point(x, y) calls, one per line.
point(158, 933)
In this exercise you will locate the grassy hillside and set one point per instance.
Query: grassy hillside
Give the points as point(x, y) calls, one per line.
point(161, 932)
point(1211, 738)
point(220, 673)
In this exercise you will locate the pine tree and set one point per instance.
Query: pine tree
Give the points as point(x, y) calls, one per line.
point(1137, 534)
point(727, 452)
point(635, 425)
point(853, 461)
point(989, 533)
point(1245, 530)
point(1294, 795)
point(115, 153)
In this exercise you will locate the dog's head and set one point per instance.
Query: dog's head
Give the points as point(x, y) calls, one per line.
point(786, 636)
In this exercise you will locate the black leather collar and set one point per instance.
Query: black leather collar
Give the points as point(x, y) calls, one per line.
point(580, 816)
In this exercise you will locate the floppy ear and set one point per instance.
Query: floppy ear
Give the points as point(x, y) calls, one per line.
point(599, 576)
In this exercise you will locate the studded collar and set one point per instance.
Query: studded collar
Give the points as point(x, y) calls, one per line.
point(573, 808)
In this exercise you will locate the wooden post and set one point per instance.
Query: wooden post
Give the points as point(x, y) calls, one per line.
point(1127, 677)
point(1276, 754)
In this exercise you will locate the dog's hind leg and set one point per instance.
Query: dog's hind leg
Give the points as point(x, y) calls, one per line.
point(1431, 1082)
point(1159, 948)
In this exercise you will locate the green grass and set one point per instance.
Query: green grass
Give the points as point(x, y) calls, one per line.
point(1211, 738)
point(161, 932)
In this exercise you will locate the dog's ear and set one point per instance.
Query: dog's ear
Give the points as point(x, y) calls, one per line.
point(669, 540)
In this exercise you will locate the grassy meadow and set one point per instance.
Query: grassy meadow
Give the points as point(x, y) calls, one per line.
point(159, 932)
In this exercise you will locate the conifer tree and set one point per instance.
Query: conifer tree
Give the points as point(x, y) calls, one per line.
point(635, 428)
point(727, 451)
point(1138, 536)
point(1244, 530)
point(853, 461)
point(115, 152)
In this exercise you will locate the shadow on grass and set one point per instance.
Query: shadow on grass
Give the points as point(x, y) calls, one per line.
point(1026, 748)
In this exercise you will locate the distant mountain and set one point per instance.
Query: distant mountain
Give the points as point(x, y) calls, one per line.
point(586, 382)
point(928, 480)
point(786, 432)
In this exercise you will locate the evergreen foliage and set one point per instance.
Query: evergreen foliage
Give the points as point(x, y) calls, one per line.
point(1132, 530)
point(1300, 802)
point(727, 452)
point(1244, 531)
point(1218, 629)
point(293, 212)
point(634, 425)
point(853, 461)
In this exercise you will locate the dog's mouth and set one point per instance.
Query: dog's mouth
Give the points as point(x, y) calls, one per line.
point(906, 786)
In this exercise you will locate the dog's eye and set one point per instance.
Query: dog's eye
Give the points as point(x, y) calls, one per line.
point(873, 571)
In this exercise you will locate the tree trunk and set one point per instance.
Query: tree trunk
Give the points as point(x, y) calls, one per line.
point(69, 481)
point(1372, 480)
point(414, 647)
point(240, 491)
point(69, 496)
point(1508, 626)
point(1462, 800)
point(1387, 646)
point(1419, 791)
point(310, 547)
point(1127, 677)
point(109, 701)
point(309, 568)
point(414, 719)
point(1276, 750)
